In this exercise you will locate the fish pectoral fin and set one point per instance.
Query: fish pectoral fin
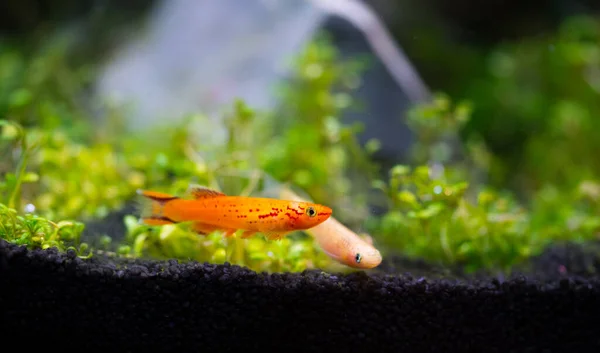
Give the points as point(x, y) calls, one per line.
point(275, 235)
point(247, 234)
point(197, 192)
point(229, 232)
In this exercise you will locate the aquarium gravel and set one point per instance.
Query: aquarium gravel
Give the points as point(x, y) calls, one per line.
point(54, 300)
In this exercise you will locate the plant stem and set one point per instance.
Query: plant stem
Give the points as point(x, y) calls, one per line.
point(15, 202)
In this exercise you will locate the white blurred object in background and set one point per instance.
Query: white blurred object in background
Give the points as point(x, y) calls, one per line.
point(197, 56)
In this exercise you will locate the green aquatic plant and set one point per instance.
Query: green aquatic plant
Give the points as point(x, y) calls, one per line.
point(39, 233)
point(14, 140)
point(431, 217)
point(29, 229)
point(96, 182)
point(441, 208)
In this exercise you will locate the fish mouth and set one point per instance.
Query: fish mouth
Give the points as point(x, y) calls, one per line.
point(325, 211)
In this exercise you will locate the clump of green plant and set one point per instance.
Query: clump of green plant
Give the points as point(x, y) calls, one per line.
point(39, 233)
point(95, 181)
point(29, 229)
point(441, 211)
point(14, 141)
point(432, 218)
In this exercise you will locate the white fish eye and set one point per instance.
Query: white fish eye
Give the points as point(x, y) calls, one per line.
point(311, 211)
point(358, 258)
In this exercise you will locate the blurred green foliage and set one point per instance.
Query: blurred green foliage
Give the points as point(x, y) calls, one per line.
point(537, 106)
point(434, 213)
point(39, 87)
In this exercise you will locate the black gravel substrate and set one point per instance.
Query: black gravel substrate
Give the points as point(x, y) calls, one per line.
point(59, 301)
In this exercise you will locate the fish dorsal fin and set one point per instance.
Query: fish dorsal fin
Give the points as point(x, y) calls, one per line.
point(202, 192)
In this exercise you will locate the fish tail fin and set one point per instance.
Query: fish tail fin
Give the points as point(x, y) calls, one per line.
point(150, 207)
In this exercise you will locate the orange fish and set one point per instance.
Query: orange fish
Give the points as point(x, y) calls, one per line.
point(210, 210)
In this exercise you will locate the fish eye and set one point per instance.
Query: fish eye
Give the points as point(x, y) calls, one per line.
point(311, 212)
point(358, 258)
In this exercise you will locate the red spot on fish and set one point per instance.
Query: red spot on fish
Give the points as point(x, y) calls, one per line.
point(266, 215)
point(295, 211)
point(290, 216)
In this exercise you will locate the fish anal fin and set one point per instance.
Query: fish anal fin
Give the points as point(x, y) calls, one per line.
point(247, 234)
point(203, 228)
point(196, 191)
point(156, 221)
point(275, 235)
